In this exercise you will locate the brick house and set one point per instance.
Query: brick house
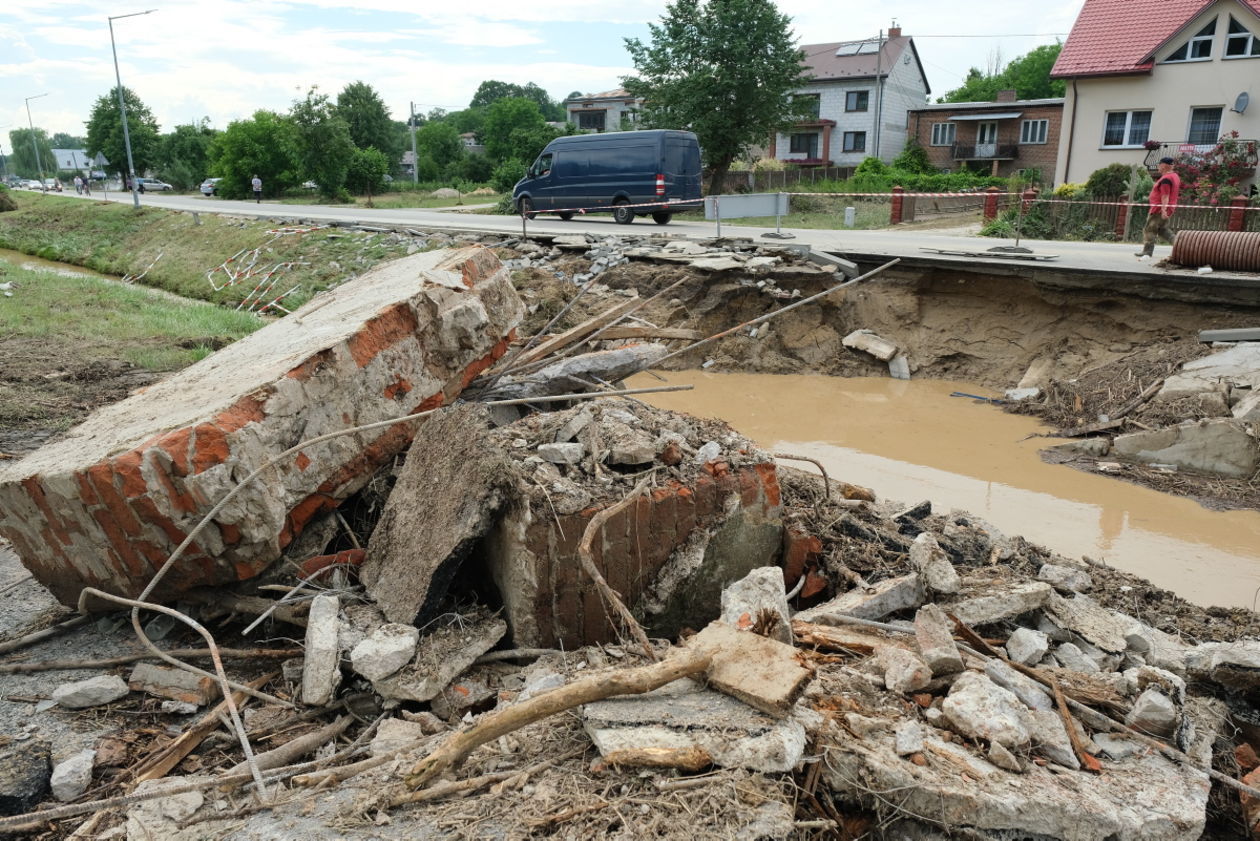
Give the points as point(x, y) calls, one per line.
point(613, 110)
point(1149, 78)
point(858, 95)
point(999, 137)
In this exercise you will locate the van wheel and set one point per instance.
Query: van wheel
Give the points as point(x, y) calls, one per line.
point(566, 216)
point(660, 217)
point(622, 214)
point(527, 208)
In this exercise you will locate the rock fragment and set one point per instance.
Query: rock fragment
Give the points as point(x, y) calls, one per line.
point(978, 707)
point(388, 649)
point(92, 692)
point(936, 641)
point(904, 671)
point(757, 594)
point(321, 673)
point(1027, 646)
point(933, 564)
point(1153, 713)
point(888, 596)
point(72, 775)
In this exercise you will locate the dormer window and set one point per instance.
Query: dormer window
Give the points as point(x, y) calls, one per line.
point(1240, 43)
point(1199, 46)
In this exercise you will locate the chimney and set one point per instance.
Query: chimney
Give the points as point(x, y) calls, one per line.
point(894, 32)
point(1007, 95)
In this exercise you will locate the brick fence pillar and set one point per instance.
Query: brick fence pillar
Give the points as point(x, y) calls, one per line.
point(991, 203)
point(1122, 220)
point(1029, 196)
point(897, 204)
point(1237, 214)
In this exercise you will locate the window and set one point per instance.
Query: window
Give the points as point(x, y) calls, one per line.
point(591, 120)
point(807, 105)
point(1198, 47)
point(1127, 128)
point(855, 141)
point(1033, 131)
point(856, 100)
point(1240, 43)
point(1205, 125)
point(943, 134)
point(805, 144)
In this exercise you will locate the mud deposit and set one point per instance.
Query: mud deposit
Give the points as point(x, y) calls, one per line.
point(911, 441)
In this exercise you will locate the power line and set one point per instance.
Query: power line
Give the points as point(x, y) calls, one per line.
point(1007, 35)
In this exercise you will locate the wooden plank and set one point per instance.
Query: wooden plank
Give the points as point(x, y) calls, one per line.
point(651, 333)
point(575, 334)
point(1242, 334)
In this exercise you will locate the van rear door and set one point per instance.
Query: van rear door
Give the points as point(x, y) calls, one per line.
point(682, 168)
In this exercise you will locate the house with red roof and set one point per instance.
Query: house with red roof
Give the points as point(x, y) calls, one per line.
point(857, 98)
point(1153, 78)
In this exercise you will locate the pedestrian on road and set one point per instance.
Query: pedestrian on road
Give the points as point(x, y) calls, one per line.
point(78, 184)
point(256, 183)
point(1163, 202)
point(87, 185)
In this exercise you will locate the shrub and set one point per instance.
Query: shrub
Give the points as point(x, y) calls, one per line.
point(1110, 181)
point(768, 165)
point(870, 167)
point(1069, 191)
point(506, 175)
point(914, 158)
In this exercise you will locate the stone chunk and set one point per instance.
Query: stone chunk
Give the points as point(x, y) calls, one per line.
point(24, 771)
point(760, 590)
point(628, 446)
point(388, 649)
point(1081, 614)
point(176, 684)
point(1051, 738)
point(1005, 604)
point(1071, 657)
point(142, 472)
point(1154, 713)
point(899, 367)
point(936, 641)
point(904, 671)
point(761, 672)
point(72, 775)
point(1001, 757)
point(889, 596)
point(570, 453)
point(683, 716)
point(933, 564)
point(978, 707)
point(908, 737)
point(1025, 688)
point(393, 734)
point(441, 657)
point(162, 817)
point(1027, 646)
point(321, 672)
point(1119, 747)
point(1065, 579)
point(868, 342)
point(93, 692)
point(1219, 446)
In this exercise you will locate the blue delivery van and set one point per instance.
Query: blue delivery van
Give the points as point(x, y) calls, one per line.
point(657, 170)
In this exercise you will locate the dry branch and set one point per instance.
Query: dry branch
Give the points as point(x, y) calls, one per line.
point(451, 753)
point(299, 747)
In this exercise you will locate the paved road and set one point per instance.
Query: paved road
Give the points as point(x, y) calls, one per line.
point(1115, 258)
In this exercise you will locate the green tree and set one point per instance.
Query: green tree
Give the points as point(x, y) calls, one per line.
point(491, 91)
point(366, 173)
point(722, 68)
point(323, 141)
point(22, 157)
point(514, 128)
point(183, 155)
point(265, 145)
point(61, 140)
point(105, 132)
point(1028, 76)
point(441, 142)
point(365, 113)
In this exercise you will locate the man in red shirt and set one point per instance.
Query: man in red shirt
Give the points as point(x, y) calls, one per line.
point(1163, 201)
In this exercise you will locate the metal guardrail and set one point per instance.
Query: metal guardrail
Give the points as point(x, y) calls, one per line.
point(1186, 152)
point(985, 151)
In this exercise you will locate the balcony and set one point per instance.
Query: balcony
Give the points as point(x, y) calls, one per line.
point(985, 151)
point(1200, 153)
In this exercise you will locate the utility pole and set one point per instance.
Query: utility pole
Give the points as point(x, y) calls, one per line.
point(122, 106)
point(39, 161)
point(415, 162)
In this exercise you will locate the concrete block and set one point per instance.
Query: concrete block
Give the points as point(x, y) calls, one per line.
point(1003, 758)
point(1154, 713)
point(891, 595)
point(899, 367)
point(934, 633)
point(394, 734)
point(92, 692)
point(1027, 646)
point(927, 556)
point(979, 708)
point(1065, 579)
point(904, 671)
point(72, 775)
point(176, 684)
point(1051, 738)
point(569, 454)
point(761, 672)
point(1029, 692)
point(388, 649)
point(321, 670)
point(1218, 446)
point(107, 503)
point(1071, 657)
point(908, 737)
point(744, 602)
point(1004, 604)
point(441, 657)
point(1082, 615)
point(867, 342)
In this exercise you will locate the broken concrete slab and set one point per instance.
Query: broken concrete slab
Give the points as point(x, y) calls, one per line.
point(441, 657)
point(891, 595)
point(1082, 615)
point(934, 634)
point(1007, 603)
point(979, 708)
point(904, 671)
point(423, 536)
point(756, 595)
point(1235, 366)
point(102, 689)
point(761, 672)
point(1219, 446)
point(899, 367)
point(1051, 738)
point(163, 817)
point(868, 342)
point(1088, 447)
point(105, 505)
point(1023, 687)
point(321, 668)
point(1235, 665)
point(569, 375)
point(1071, 657)
point(1248, 407)
point(1065, 579)
point(396, 734)
point(175, 684)
point(927, 556)
point(388, 649)
point(683, 715)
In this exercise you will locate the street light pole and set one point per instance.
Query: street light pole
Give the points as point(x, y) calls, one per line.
point(122, 107)
point(39, 161)
point(415, 163)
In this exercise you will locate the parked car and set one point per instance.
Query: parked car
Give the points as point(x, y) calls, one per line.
point(208, 186)
point(146, 184)
point(657, 170)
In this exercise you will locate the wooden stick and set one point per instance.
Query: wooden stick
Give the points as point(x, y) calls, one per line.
point(651, 333)
point(109, 662)
point(1088, 762)
point(574, 334)
point(32, 638)
point(299, 747)
point(588, 565)
point(158, 765)
point(452, 752)
point(1138, 401)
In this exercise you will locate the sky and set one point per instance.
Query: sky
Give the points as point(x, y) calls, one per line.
point(225, 59)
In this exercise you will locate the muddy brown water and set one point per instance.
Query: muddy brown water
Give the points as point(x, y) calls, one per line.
point(911, 441)
point(38, 264)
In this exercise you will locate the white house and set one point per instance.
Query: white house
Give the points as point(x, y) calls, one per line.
point(613, 110)
point(858, 96)
point(1154, 78)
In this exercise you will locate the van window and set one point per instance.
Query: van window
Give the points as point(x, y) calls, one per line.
point(571, 165)
point(541, 166)
point(619, 160)
point(681, 157)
